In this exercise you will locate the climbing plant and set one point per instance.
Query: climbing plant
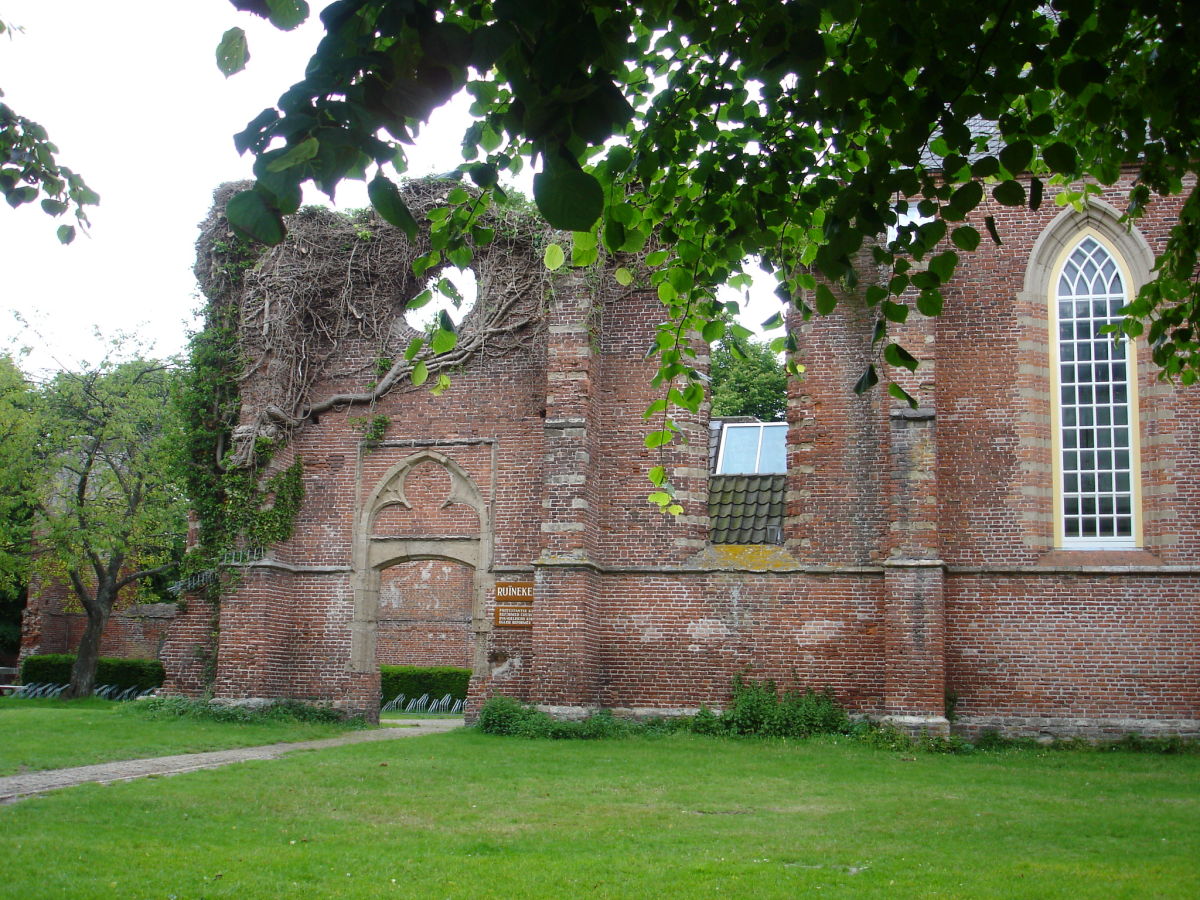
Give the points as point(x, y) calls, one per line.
point(236, 505)
point(795, 132)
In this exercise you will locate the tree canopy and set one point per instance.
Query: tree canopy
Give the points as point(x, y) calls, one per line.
point(793, 132)
point(747, 380)
point(18, 439)
point(109, 511)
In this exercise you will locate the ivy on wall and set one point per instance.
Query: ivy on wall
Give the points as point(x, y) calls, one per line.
point(237, 508)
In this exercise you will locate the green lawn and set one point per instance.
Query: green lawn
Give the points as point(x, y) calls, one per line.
point(469, 815)
point(53, 734)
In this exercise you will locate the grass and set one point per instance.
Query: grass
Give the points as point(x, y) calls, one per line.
point(470, 815)
point(53, 734)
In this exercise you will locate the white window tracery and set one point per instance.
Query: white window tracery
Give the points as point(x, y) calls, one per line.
point(1096, 439)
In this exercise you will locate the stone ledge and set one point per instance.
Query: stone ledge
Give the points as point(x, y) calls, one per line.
point(1092, 728)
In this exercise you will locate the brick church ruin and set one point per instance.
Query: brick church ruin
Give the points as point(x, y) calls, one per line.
point(1022, 550)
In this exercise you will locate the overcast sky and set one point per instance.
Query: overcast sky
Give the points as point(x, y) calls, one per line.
point(130, 92)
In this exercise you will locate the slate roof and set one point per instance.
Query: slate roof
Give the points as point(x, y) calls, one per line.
point(746, 509)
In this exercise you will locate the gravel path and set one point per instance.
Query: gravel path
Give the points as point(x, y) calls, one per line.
point(13, 787)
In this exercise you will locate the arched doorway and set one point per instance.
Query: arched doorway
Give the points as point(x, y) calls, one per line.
point(422, 555)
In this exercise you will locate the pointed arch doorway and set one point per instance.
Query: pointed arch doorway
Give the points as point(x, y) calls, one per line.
point(421, 568)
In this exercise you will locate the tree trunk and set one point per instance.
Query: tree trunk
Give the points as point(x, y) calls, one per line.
point(87, 657)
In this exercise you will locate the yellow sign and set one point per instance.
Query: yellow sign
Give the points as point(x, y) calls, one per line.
point(514, 604)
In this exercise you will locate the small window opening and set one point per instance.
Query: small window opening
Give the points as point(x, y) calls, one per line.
point(752, 448)
point(453, 291)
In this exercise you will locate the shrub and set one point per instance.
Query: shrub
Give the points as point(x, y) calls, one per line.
point(55, 668)
point(502, 715)
point(278, 711)
point(757, 709)
point(803, 714)
point(413, 681)
point(754, 707)
point(707, 722)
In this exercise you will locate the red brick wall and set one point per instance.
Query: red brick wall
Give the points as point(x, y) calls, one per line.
point(425, 614)
point(1027, 652)
point(675, 641)
point(918, 551)
point(53, 622)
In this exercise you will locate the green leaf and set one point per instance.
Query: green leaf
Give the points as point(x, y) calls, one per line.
point(681, 279)
point(657, 476)
point(386, 199)
point(232, 53)
point(826, 300)
point(1060, 157)
point(899, 357)
point(251, 215)
point(990, 222)
point(420, 373)
point(963, 200)
point(568, 198)
point(943, 265)
point(929, 302)
point(624, 276)
point(287, 14)
point(460, 256)
point(443, 340)
point(414, 347)
point(1017, 156)
point(1009, 193)
point(584, 249)
point(659, 498)
point(302, 152)
point(895, 312)
point(423, 264)
point(66, 233)
point(656, 407)
point(554, 257)
point(869, 379)
point(658, 438)
point(713, 331)
point(614, 235)
point(901, 394)
point(965, 238)
point(418, 301)
point(657, 258)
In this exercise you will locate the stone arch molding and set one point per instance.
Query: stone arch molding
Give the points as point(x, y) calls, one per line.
point(1035, 418)
point(372, 555)
point(1066, 227)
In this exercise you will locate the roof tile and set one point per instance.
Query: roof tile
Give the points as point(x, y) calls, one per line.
point(743, 508)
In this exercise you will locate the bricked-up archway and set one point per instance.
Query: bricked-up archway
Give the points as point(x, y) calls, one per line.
point(373, 553)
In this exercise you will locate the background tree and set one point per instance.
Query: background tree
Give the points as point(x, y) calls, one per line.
point(790, 131)
point(110, 513)
point(747, 380)
point(18, 438)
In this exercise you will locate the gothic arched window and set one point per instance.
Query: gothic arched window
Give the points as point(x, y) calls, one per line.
point(1096, 464)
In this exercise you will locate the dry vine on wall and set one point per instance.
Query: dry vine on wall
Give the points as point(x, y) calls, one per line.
point(327, 307)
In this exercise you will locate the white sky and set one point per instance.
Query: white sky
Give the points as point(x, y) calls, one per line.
point(130, 92)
